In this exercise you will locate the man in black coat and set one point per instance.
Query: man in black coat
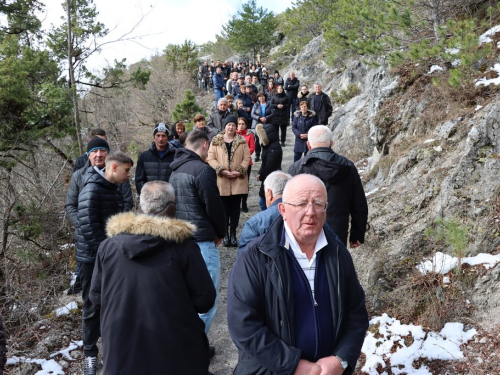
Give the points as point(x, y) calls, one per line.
point(150, 283)
point(99, 199)
point(198, 200)
point(292, 85)
point(82, 159)
point(346, 196)
point(154, 164)
point(215, 118)
point(321, 104)
point(272, 156)
point(294, 302)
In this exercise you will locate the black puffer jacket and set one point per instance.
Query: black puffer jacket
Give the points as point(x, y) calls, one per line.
point(151, 168)
point(76, 185)
point(280, 115)
point(150, 282)
point(346, 195)
point(197, 196)
point(272, 153)
point(98, 200)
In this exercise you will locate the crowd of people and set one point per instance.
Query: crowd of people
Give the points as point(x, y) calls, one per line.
point(150, 277)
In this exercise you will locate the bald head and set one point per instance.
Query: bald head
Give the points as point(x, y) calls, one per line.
point(319, 136)
point(300, 183)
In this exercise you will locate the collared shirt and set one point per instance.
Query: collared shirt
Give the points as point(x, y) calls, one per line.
point(308, 266)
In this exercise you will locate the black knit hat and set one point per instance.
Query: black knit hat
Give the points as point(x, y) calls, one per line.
point(161, 127)
point(229, 119)
point(96, 143)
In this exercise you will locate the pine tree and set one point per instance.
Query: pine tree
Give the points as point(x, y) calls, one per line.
point(251, 29)
point(182, 56)
point(187, 109)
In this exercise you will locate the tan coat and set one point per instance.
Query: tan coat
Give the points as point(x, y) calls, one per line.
point(240, 158)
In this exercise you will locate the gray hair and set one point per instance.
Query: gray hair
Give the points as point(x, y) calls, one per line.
point(155, 196)
point(276, 181)
point(319, 136)
point(223, 100)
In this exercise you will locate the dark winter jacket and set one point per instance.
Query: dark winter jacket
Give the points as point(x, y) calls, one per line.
point(302, 97)
point(208, 131)
point(76, 185)
point(261, 307)
point(325, 109)
point(280, 115)
point(272, 153)
point(292, 88)
point(197, 196)
point(248, 101)
point(151, 168)
point(99, 199)
point(344, 189)
point(80, 162)
point(215, 120)
point(301, 125)
point(258, 224)
point(218, 81)
point(256, 114)
point(150, 282)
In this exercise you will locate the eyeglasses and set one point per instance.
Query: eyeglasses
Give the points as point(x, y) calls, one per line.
point(303, 206)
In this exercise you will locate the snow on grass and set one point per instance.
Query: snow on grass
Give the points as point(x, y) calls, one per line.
point(486, 82)
point(444, 263)
point(66, 309)
point(485, 38)
point(429, 140)
point(49, 367)
point(403, 344)
point(435, 68)
point(65, 352)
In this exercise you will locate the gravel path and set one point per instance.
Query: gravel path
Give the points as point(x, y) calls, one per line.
point(226, 354)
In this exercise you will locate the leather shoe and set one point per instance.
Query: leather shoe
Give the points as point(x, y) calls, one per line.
point(225, 241)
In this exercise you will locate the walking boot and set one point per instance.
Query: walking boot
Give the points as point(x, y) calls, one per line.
point(233, 242)
point(225, 241)
point(90, 366)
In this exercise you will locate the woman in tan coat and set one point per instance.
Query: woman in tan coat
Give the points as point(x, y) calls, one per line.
point(229, 155)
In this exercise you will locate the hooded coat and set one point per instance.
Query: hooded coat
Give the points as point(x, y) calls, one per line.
point(345, 192)
point(272, 153)
point(151, 282)
point(240, 159)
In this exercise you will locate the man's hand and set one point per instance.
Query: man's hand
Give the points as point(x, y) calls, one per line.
point(330, 366)
point(303, 136)
point(308, 368)
point(218, 241)
point(354, 245)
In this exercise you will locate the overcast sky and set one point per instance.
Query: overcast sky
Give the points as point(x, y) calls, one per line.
point(166, 21)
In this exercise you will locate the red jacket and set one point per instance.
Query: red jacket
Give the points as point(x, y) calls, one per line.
point(250, 141)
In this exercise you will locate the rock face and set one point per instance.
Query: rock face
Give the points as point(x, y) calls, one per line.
point(417, 170)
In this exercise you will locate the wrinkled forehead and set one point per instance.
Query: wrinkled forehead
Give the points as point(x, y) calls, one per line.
point(305, 190)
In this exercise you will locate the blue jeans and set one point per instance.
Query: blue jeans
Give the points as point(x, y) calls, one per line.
point(262, 204)
point(210, 254)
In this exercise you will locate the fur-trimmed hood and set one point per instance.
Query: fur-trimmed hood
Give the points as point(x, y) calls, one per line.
point(309, 113)
point(267, 134)
point(301, 95)
point(169, 229)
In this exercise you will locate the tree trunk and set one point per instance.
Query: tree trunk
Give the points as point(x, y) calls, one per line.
point(72, 86)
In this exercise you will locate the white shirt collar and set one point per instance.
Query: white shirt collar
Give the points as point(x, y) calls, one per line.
point(291, 242)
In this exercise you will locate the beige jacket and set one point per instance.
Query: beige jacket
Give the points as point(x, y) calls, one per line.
point(240, 159)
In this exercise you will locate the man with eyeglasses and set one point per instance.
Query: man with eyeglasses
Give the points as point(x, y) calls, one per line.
point(294, 302)
point(346, 196)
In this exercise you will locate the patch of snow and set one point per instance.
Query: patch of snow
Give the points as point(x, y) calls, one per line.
point(485, 38)
point(486, 82)
point(66, 246)
point(371, 192)
point(49, 367)
point(446, 280)
point(438, 149)
point(452, 51)
point(66, 309)
point(65, 352)
point(429, 140)
point(444, 263)
point(456, 62)
point(478, 107)
point(435, 68)
point(390, 345)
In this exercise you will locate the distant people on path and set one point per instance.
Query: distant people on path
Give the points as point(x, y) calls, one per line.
point(198, 201)
point(261, 113)
point(270, 89)
point(292, 85)
point(346, 196)
point(99, 199)
point(281, 112)
point(238, 87)
point(219, 85)
point(260, 223)
point(154, 164)
point(150, 282)
point(278, 80)
point(245, 133)
point(199, 77)
point(82, 159)
point(320, 103)
point(232, 81)
point(256, 83)
point(264, 77)
point(303, 120)
point(229, 155)
point(216, 118)
point(294, 302)
point(272, 156)
point(199, 122)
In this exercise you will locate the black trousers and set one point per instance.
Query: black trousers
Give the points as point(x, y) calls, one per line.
point(232, 208)
point(258, 148)
point(283, 131)
point(91, 315)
